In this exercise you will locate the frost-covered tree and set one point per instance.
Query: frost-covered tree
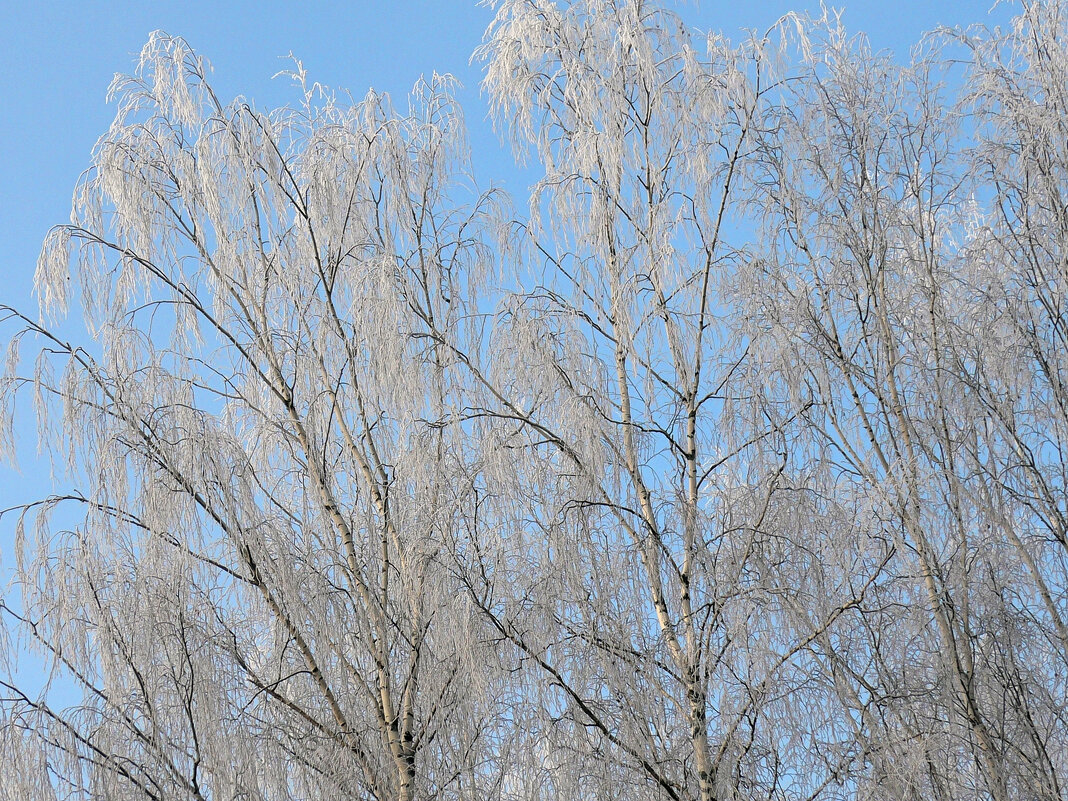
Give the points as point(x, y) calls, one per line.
point(671, 610)
point(732, 468)
point(908, 292)
point(255, 602)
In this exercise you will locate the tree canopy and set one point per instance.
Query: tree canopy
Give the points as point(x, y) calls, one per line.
point(732, 463)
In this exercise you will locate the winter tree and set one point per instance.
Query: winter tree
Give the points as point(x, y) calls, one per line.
point(261, 420)
point(728, 465)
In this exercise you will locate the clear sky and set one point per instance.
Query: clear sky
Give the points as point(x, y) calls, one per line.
point(58, 56)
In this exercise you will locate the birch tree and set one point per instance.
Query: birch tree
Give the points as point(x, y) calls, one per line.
point(879, 294)
point(664, 594)
point(253, 601)
point(731, 466)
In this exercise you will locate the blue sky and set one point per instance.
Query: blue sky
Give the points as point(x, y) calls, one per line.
point(57, 58)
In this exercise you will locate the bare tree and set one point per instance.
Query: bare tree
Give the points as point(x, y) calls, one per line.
point(878, 290)
point(255, 602)
point(735, 469)
point(668, 635)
